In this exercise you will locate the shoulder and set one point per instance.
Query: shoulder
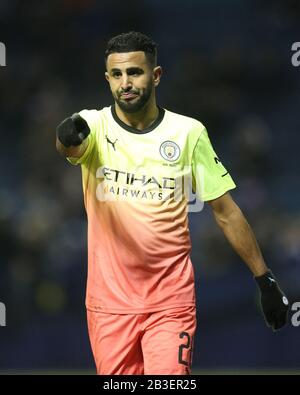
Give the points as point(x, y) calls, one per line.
point(94, 114)
point(95, 118)
point(189, 124)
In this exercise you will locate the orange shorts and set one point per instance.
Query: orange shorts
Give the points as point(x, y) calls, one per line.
point(150, 343)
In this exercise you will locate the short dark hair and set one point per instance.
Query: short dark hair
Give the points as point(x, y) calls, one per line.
point(131, 42)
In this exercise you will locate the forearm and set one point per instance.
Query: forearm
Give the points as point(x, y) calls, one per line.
point(238, 232)
point(242, 239)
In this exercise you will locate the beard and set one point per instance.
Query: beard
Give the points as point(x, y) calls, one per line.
point(136, 104)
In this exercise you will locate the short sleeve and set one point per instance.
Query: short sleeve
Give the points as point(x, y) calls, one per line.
point(91, 117)
point(210, 179)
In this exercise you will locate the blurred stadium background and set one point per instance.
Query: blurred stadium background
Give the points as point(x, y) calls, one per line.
point(227, 63)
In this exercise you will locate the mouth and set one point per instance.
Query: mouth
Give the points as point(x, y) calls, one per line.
point(129, 96)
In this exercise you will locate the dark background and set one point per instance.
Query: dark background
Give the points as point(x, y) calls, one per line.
point(226, 63)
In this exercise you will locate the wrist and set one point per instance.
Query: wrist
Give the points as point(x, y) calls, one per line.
point(265, 281)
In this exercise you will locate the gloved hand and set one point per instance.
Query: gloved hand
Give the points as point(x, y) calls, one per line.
point(72, 131)
point(274, 304)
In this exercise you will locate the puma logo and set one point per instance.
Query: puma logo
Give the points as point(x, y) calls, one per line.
point(111, 142)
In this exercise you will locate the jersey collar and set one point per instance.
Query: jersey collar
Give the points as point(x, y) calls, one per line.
point(134, 130)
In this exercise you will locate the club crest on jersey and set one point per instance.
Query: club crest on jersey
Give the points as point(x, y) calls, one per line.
point(169, 151)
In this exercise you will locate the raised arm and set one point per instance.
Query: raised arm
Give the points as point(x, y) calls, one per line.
point(238, 232)
point(71, 136)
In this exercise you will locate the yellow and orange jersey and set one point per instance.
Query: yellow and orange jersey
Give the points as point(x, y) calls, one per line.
point(137, 209)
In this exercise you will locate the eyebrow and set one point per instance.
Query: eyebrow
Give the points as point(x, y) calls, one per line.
point(128, 70)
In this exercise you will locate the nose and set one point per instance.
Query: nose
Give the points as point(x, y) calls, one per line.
point(126, 82)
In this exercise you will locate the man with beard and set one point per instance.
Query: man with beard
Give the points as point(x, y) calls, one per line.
point(140, 289)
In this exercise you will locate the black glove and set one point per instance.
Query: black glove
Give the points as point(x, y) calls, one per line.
point(274, 303)
point(72, 130)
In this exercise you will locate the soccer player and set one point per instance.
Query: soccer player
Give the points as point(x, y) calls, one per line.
point(140, 289)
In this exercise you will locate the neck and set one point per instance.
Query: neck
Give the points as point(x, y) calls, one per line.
point(142, 119)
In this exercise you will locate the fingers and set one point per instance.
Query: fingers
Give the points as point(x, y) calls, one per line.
point(276, 320)
point(280, 320)
point(81, 126)
point(65, 132)
point(72, 130)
